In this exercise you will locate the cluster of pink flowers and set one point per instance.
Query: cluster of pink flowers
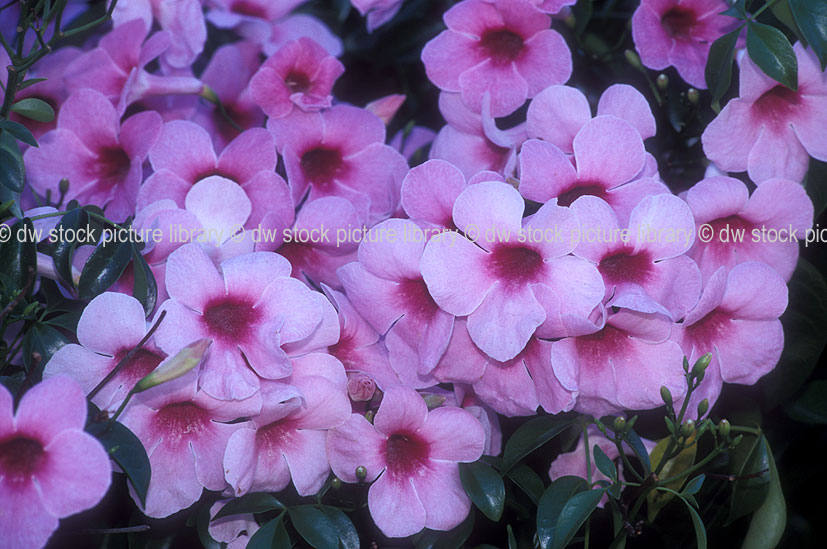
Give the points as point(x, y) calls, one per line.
point(546, 266)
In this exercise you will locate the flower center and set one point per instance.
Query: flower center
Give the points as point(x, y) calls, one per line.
point(111, 166)
point(708, 330)
point(418, 302)
point(230, 319)
point(679, 22)
point(515, 264)
point(181, 422)
point(777, 105)
point(322, 165)
point(244, 7)
point(624, 267)
point(141, 364)
point(406, 453)
point(297, 82)
point(582, 189)
point(20, 457)
point(599, 347)
point(501, 45)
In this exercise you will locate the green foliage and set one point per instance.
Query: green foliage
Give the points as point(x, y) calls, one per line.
point(811, 18)
point(530, 436)
point(485, 488)
point(35, 109)
point(256, 502)
point(772, 52)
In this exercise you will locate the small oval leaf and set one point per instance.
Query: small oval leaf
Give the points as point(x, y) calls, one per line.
point(485, 488)
point(772, 52)
point(35, 109)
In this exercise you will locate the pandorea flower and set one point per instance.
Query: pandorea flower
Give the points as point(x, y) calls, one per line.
point(110, 326)
point(185, 433)
point(679, 33)
point(341, 152)
point(378, 12)
point(49, 467)
point(776, 127)
point(763, 227)
point(643, 266)
point(100, 156)
point(501, 47)
point(301, 73)
point(234, 530)
point(608, 159)
point(287, 439)
point(736, 320)
point(512, 276)
point(416, 453)
point(255, 315)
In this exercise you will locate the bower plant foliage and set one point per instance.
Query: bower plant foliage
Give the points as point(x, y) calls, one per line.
point(380, 273)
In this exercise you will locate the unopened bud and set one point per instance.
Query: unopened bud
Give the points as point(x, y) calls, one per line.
point(174, 367)
point(619, 425)
point(703, 408)
point(385, 108)
point(686, 365)
point(693, 96)
point(666, 395)
point(662, 81)
point(434, 401)
point(633, 59)
point(336, 483)
point(63, 186)
point(723, 428)
point(736, 441)
point(688, 428)
point(360, 387)
point(361, 472)
point(701, 364)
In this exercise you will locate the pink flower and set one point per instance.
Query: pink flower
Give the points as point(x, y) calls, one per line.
point(643, 266)
point(557, 113)
point(300, 73)
point(234, 530)
point(414, 455)
point(608, 156)
point(749, 228)
point(184, 155)
point(228, 74)
point(341, 152)
point(552, 6)
point(297, 25)
point(679, 33)
point(378, 12)
point(622, 365)
point(110, 326)
point(287, 440)
point(776, 127)
point(185, 433)
point(736, 320)
point(49, 468)
point(511, 277)
point(503, 47)
point(386, 287)
point(255, 314)
point(316, 248)
point(100, 156)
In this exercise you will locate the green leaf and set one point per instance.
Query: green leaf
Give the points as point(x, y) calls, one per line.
point(816, 185)
point(144, 287)
point(781, 11)
point(582, 12)
point(256, 502)
point(749, 493)
point(811, 17)
point(13, 197)
point(531, 435)
point(528, 481)
point(604, 464)
point(811, 406)
point(30, 82)
point(485, 488)
point(768, 522)
point(633, 440)
point(551, 504)
point(64, 248)
point(700, 529)
point(512, 541)
point(18, 256)
point(452, 539)
point(12, 174)
point(656, 500)
point(271, 535)
point(348, 537)
point(574, 513)
point(103, 268)
point(201, 521)
point(19, 131)
point(718, 70)
point(694, 486)
point(737, 10)
point(126, 449)
point(772, 52)
point(34, 108)
point(44, 340)
point(315, 527)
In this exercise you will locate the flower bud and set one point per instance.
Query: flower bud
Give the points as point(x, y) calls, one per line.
point(736, 441)
point(703, 408)
point(360, 387)
point(693, 96)
point(63, 186)
point(619, 425)
point(434, 401)
point(666, 395)
point(662, 81)
point(700, 365)
point(174, 367)
point(686, 365)
point(688, 428)
point(633, 58)
point(723, 428)
point(336, 483)
point(361, 472)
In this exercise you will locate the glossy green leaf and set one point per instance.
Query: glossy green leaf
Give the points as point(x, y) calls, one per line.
point(452, 539)
point(35, 109)
point(811, 17)
point(485, 488)
point(718, 70)
point(528, 481)
point(698, 523)
point(12, 173)
point(657, 500)
point(781, 10)
point(8, 196)
point(737, 10)
point(18, 256)
point(103, 268)
point(127, 451)
point(749, 492)
point(315, 527)
point(811, 406)
point(772, 52)
point(604, 464)
point(531, 435)
point(768, 522)
point(512, 541)
point(271, 535)
point(552, 503)
point(574, 513)
point(256, 502)
point(633, 440)
point(348, 537)
point(45, 341)
point(694, 486)
point(30, 82)
point(19, 131)
point(144, 287)
point(64, 248)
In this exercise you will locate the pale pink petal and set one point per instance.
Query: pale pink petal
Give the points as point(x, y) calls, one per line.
point(192, 278)
point(556, 115)
point(608, 150)
point(77, 473)
point(442, 495)
point(354, 444)
point(395, 506)
point(624, 101)
point(111, 323)
point(402, 409)
point(777, 155)
point(545, 171)
point(51, 406)
point(504, 322)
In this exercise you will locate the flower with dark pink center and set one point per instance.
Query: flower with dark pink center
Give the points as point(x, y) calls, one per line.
point(412, 456)
point(49, 467)
point(501, 47)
